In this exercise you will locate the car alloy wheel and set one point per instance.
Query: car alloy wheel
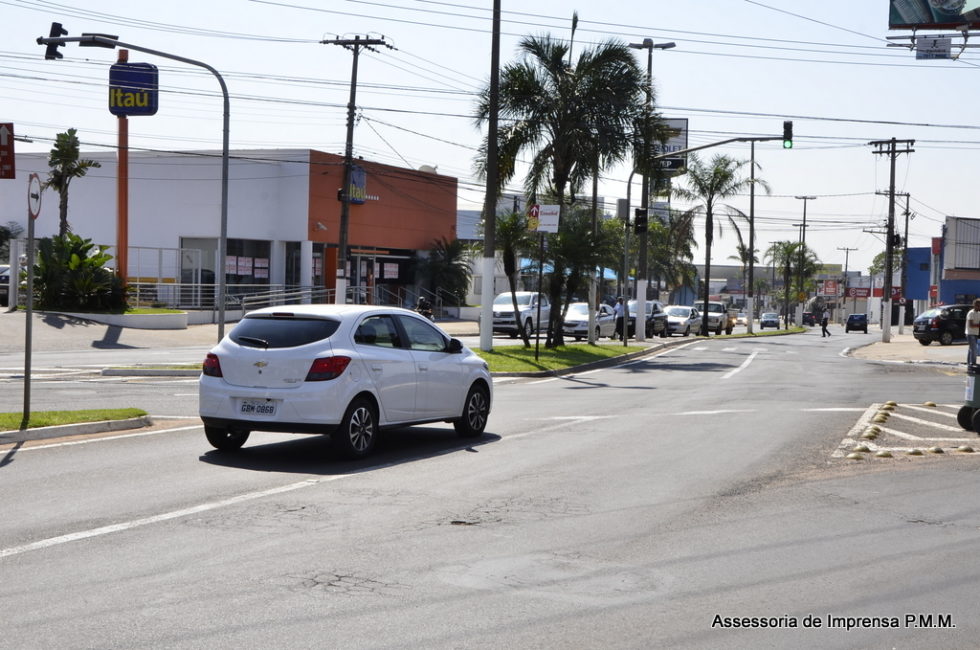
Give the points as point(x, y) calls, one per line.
point(946, 338)
point(476, 409)
point(358, 431)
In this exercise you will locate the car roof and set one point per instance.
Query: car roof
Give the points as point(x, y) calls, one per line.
point(327, 310)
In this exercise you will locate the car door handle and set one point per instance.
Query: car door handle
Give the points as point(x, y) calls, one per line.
point(423, 367)
point(376, 368)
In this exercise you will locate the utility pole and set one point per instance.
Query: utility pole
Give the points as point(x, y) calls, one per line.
point(490, 203)
point(847, 254)
point(805, 200)
point(354, 45)
point(890, 148)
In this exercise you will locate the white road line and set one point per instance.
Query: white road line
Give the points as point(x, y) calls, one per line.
point(927, 409)
point(834, 409)
point(742, 367)
point(718, 412)
point(87, 441)
point(166, 516)
point(909, 436)
point(937, 425)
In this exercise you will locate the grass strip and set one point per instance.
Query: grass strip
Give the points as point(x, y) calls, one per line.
point(12, 421)
point(517, 358)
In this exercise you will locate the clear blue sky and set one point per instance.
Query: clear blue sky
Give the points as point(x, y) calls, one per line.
point(740, 68)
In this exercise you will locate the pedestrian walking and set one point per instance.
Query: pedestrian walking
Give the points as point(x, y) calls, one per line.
point(823, 323)
point(972, 332)
point(619, 311)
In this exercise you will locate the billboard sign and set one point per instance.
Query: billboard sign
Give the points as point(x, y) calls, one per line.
point(133, 89)
point(933, 14)
point(358, 185)
point(542, 218)
point(676, 142)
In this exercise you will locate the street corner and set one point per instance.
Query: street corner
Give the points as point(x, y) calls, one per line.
point(892, 430)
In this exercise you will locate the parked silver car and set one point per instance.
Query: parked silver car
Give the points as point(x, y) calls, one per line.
point(577, 321)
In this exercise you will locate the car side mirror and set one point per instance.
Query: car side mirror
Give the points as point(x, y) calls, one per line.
point(455, 346)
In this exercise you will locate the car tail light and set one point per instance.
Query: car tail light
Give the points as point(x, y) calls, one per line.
point(327, 368)
point(212, 367)
point(935, 323)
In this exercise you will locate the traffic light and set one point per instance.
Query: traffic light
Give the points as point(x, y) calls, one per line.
point(788, 134)
point(640, 220)
point(57, 31)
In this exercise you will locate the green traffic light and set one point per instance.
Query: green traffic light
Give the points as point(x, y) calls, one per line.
point(787, 144)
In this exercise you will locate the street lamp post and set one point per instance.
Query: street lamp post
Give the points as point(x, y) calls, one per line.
point(641, 276)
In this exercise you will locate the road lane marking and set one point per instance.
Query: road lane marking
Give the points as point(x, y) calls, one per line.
point(166, 516)
point(742, 367)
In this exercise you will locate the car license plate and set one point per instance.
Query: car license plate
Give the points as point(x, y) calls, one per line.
point(264, 407)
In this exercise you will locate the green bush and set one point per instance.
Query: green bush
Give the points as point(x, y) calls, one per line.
point(70, 274)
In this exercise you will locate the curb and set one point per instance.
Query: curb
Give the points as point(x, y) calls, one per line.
point(41, 433)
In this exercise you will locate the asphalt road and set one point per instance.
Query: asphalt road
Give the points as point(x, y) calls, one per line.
point(652, 504)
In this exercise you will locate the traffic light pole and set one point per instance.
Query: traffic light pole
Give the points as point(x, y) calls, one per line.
point(111, 42)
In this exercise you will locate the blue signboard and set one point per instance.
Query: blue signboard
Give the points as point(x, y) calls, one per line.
point(358, 185)
point(133, 89)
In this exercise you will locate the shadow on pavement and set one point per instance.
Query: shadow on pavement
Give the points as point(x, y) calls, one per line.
point(110, 340)
point(313, 454)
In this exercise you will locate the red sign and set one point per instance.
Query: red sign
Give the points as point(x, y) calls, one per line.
point(934, 291)
point(858, 292)
point(937, 245)
point(7, 167)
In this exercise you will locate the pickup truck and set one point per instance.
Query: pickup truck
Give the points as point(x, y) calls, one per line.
point(720, 317)
point(527, 306)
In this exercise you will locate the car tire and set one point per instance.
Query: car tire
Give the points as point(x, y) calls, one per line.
point(224, 438)
point(687, 332)
point(718, 331)
point(598, 333)
point(528, 328)
point(476, 409)
point(966, 418)
point(946, 338)
point(357, 434)
point(924, 341)
point(865, 330)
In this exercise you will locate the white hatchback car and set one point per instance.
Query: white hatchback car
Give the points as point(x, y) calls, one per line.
point(346, 370)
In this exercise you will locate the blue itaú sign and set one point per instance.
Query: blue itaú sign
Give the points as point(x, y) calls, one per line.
point(133, 89)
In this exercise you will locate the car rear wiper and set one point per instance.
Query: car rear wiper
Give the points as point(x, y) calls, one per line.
point(254, 340)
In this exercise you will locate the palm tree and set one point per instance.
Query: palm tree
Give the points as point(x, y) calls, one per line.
point(672, 245)
point(784, 255)
point(572, 120)
point(65, 165)
point(743, 256)
point(513, 241)
point(708, 186)
point(447, 268)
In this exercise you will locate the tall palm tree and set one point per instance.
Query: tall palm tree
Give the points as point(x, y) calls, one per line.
point(784, 254)
point(65, 165)
point(571, 119)
point(513, 241)
point(708, 186)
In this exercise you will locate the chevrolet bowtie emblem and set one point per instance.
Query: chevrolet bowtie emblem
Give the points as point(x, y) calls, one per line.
point(260, 364)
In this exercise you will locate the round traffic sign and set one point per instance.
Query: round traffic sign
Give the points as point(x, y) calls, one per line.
point(34, 196)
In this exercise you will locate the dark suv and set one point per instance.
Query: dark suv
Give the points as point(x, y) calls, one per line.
point(944, 324)
point(656, 320)
point(856, 322)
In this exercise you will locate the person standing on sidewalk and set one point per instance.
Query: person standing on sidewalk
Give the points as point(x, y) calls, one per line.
point(972, 332)
point(823, 323)
point(619, 312)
